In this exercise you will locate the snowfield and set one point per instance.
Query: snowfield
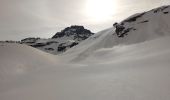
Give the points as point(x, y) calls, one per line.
point(103, 67)
point(134, 72)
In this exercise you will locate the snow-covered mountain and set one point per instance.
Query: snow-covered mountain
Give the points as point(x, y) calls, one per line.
point(61, 41)
point(135, 29)
point(128, 62)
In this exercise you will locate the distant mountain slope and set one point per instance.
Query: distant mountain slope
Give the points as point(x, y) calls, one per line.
point(61, 41)
point(135, 29)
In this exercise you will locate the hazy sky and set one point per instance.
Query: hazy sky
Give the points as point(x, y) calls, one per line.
point(43, 18)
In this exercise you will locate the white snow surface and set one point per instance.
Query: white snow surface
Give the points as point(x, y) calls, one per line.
point(16, 59)
point(103, 67)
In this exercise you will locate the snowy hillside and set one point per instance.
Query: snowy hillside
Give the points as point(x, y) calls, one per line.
point(18, 59)
point(132, 72)
point(135, 29)
point(128, 62)
point(61, 41)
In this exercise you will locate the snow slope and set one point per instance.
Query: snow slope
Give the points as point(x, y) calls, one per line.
point(17, 59)
point(137, 28)
point(134, 72)
point(105, 67)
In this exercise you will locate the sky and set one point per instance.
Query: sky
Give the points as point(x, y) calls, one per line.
point(43, 18)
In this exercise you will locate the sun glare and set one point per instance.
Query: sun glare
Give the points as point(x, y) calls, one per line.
point(100, 10)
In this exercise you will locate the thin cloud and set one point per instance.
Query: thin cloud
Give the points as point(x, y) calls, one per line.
point(39, 17)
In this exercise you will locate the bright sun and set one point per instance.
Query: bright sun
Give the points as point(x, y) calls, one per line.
point(100, 10)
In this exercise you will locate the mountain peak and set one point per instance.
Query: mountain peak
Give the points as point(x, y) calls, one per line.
point(75, 31)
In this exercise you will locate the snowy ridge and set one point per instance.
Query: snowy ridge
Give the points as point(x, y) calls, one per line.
point(135, 29)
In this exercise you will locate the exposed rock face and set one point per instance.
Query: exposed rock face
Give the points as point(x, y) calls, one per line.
point(29, 40)
point(77, 32)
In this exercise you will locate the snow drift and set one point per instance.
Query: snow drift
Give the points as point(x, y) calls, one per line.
point(17, 59)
